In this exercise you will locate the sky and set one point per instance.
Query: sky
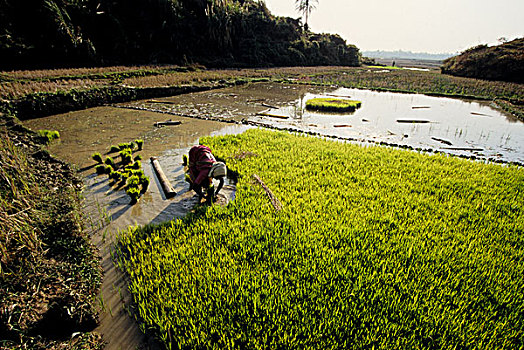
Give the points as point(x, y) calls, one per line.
point(437, 26)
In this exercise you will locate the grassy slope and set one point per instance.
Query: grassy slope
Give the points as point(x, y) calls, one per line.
point(503, 62)
point(49, 275)
point(375, 247)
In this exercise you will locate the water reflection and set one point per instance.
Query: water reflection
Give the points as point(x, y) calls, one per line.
point(445, 124)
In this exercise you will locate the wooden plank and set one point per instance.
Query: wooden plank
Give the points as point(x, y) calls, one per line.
point(168, 189)
point(273, 115)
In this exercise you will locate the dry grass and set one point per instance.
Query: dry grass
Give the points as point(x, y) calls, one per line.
point(70, 72)
point(18, 89)
point(173, 79)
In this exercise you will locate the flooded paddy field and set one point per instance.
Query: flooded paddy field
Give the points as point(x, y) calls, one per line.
point(470, 128)
point(461, 127)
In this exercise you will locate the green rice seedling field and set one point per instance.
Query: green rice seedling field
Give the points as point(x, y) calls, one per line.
point(374, 248)
point(332, 105)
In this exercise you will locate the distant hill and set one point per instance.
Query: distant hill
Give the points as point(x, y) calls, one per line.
point(231, 33)
point(406, 54)
point(503, 62)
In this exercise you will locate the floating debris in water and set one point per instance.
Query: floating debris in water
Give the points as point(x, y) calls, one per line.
point(481, 114)
point(446, 142)
point(167, 122)
point(473, 149)
point(419, 121)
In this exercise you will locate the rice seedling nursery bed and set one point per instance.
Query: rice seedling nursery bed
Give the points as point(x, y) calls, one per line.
point(374, 248)
point(332, 105)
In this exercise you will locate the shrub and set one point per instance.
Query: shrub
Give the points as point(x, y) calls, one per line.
point(144, 183)
point(124, 145)
point(126, 156)
point(133, 193)
point(132, 181)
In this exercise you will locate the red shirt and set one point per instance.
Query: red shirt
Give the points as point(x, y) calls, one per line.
point(200, 162)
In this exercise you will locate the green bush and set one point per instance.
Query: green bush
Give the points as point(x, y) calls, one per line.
point(126, 156)
point(133, 193)
point(140, 144)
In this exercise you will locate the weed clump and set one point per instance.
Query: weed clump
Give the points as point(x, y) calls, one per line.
point(49, 135)
point(139, 144)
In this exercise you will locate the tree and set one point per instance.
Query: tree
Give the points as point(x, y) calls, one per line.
point(305, 7)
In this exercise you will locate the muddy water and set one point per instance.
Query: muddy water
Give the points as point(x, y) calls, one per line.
point(108, 211)
point(461, 127)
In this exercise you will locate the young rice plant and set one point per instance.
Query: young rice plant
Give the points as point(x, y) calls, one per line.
point(374, 248)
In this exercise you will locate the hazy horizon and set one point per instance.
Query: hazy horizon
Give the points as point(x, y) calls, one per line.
point(442, 26)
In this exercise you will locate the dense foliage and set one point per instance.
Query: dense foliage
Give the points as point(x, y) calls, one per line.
point(212, 32)
point(374, 248)
point(503, 62)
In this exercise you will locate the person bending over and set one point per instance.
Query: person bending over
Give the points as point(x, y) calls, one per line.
point(203, 168)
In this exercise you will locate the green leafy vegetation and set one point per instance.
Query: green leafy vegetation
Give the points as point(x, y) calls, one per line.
point(48, 135)
point(114, 149)
point(503, 62)
point(128, 173)
point(373, 248)
point(97, 157)
point(211, 32)
point(332, 104)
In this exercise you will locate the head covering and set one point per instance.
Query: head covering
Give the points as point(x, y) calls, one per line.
point(218, 169)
